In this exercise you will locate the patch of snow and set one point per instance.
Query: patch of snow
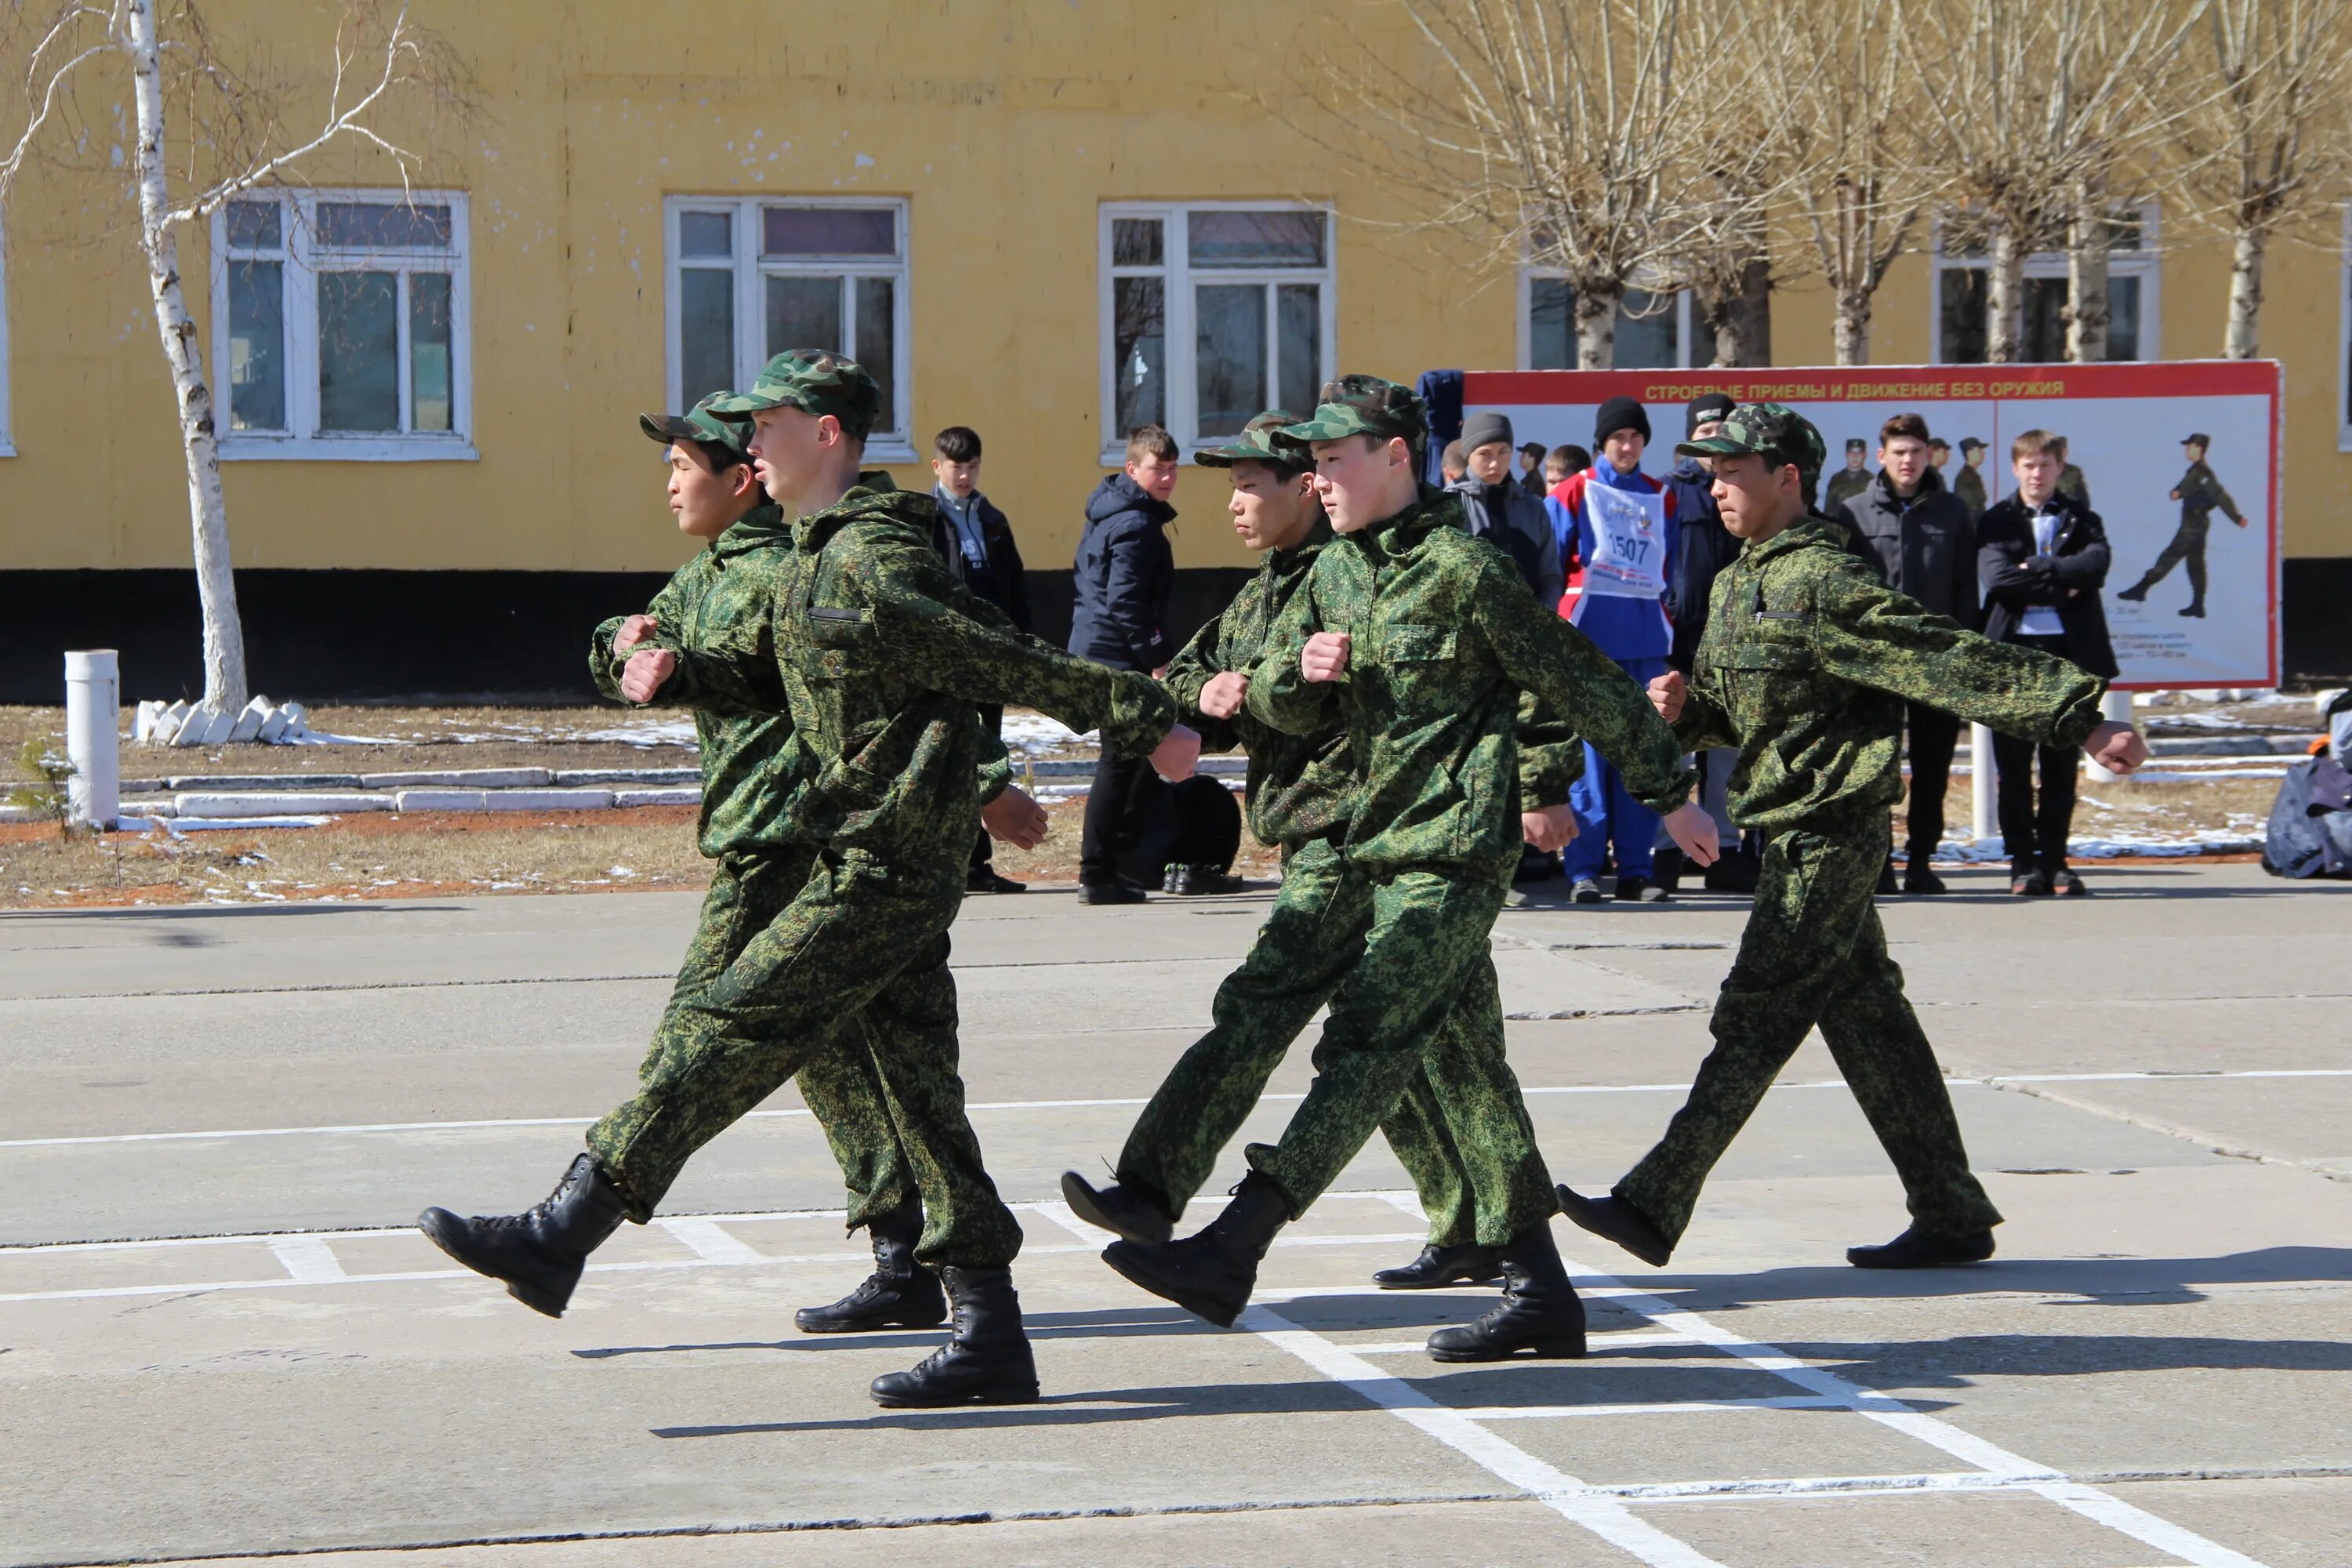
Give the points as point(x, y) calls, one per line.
point(178, 824)
point(645, 732)
point(1027, 731)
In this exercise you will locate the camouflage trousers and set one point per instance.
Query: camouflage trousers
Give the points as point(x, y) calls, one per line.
point(1419, 1000)
point(1815, 953)
point(840, 979)
point(1311, 940)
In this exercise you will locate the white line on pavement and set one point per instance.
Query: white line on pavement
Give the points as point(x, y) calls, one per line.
point(309, 1259)
point(1989, 1080)
point(1595, 1510)
point(710, 1241)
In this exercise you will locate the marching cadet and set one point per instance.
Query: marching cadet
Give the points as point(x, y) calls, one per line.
point(881, 659)
point(1419, 641)
point(750, 768)
point(2198, 492)
point(1300, 791)
point(1806, 664)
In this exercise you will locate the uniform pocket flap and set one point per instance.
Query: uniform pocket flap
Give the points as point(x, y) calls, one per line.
point(1420, 642)
point(1767, 656)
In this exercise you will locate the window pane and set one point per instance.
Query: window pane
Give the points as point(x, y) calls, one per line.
point(382, 225)
point(877, 335)
point(2123, 318)
point(1648, 337)
point(829, 231)
point(705, 333)
point(358, 347)
point(253, 226)
point(804, 313)
point(1136, 242)
point(1254, 239)
point(256, 345)
point(429, 407)
point(2045, 319)
point(1229, 356)
point(706, 234)
point(1139, 354)
point(1960, 313)
point(1551, 324)
point(1299, 319)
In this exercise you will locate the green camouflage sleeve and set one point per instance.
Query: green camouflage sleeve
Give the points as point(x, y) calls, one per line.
point(1280, 695)
point(932, 635)
point(1551, 755)
point(1706, 720)
point(733, 677)
point(602, 666)
point(605, 667)
point(1195, 664)
point(1871, 635)
point(1543, 654)
point(995, 763)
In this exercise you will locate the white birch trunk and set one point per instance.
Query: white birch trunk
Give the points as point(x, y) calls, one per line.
point(225, 679)
point(2087, 314)
point(1850, 333)
point(1596, 326)
point(2005, 296)
point(2246, 253)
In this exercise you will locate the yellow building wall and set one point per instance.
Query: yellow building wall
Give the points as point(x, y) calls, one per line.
point(1004, 126)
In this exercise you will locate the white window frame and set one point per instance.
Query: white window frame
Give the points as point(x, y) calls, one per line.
point(2343, 341)
point(1685, 314)
point(1183, 411)
point(304, 259)
point(751, 268)
point(2145, 264)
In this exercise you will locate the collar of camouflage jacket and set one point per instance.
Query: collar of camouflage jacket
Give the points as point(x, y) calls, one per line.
point(1296, 558)
point(1399, 534)
point(874, 496)
point(1811, 529)
point(761, 526)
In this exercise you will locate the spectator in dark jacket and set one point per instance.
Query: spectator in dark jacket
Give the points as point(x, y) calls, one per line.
point(976, 542)
point(2042, 558)
point(1916, 536)
point(1500, 510)
point(1120, 580)
point(1703, 548)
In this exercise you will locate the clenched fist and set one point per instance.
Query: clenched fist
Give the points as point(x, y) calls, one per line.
point(643, 676)
point(1016, 819)
point(2116, 747)
point(1667, 693)
point(1325, 657)
point(1221, 697)
point(1177, 757)
point(634, 630)
point(1548, 828)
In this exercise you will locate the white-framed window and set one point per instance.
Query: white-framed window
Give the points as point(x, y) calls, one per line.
point(341, 325)
point(751, 277)
point(1655, 330)
point(1957, 333)
point(1212, 313)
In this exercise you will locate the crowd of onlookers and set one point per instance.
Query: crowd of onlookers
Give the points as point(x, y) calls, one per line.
point(1631, 558)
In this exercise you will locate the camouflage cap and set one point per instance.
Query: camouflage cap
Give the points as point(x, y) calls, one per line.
point(815, 381)
point(1364, 405)
point(1264, 439)
point(698, 424)
point(1773, 431)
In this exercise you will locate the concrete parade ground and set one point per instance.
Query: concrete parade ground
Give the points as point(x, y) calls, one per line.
point(220, 1336)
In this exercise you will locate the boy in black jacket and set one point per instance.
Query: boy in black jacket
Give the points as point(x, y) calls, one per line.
point(2041, 558)
point(976, 542)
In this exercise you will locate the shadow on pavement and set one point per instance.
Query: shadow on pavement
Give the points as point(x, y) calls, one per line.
point(2120, 1282)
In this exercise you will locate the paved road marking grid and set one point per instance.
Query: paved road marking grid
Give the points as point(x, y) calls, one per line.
point(1606, 1510)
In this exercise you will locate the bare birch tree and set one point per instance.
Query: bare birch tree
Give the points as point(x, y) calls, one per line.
point(1850, 113)
point(234, 142)
point(1742, 170)
point(2267, 144)
point(1559, 134)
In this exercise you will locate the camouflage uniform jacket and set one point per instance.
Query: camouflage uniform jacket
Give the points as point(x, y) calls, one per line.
point(1805, 666)
point(880, 657)
point(2201, 492)
point(1444, 638)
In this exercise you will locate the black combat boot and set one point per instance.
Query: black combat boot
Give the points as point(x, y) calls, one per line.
point(540, 1252)
point(986, 1359)
point(1540, 1311)
point(1438, 1267)
point(1210, 1274)
point(1917, 1249)
point(900, 1294)
point(1615, 1219)
point(1122, 1210)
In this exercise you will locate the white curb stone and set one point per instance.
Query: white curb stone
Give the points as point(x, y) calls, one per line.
point(440, 800)
point(458, 778)
point(550, 800)
point(290, 802)
point(682, 795)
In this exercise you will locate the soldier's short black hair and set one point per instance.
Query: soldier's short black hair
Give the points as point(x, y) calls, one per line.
point(958, 444)
point(717, 456)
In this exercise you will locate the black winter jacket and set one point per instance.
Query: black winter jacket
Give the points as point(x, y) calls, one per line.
point(2070, 577)
point(1924, 547)
point(1703, 548)
point(1004, 583)
point(1121, 578)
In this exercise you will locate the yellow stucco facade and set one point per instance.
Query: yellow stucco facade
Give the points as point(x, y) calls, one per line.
point(1004, 128)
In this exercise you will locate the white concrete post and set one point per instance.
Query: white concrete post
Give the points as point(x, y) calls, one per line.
point(1981, 783)
point(2116, 707)
point(93, 701)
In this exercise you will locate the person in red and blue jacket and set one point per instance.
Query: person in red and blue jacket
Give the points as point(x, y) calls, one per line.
point(1619, 524)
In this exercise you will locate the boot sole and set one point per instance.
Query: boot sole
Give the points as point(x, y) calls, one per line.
point(1546, 1350)
point(1126, 1268)
point(869, 1326)
point(537, 1297)
point(1020, 1394)
point(1081, 1199)
point(1951, 1262)
point(1494, 1278)
point(1648, 1252)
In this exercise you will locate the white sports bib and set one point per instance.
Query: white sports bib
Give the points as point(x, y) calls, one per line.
point(1629, 544)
